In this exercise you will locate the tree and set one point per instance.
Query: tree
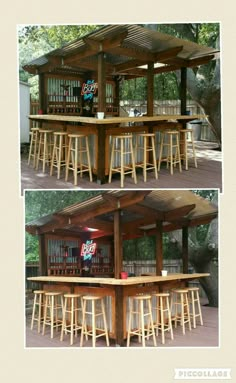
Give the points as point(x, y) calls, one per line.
point(203, 83)
point(203, 252)
point(42, 203)
point(37, 40)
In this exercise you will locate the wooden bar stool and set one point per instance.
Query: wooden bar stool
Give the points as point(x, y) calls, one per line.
point(180, 306)
point(53, 305)
point(186, 137)
point(44, 148)
point(163, 315)
point(122, 152)
point(143, 317)
point(34, 136)
point(170, 139)
point(70, 321)
point(193, 301)
point(38, 305)
point(147, 147)
point(78, 157)
point(96, 310)
point(59, 152)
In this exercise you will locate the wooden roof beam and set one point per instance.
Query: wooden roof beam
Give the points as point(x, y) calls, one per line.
point(53, 61)
point(79, 55)
point(106, 44)
point(200, 61)
point(142, 55)
point(157, 57)
point(126, 200)
point(178, 213)
point(145, 211)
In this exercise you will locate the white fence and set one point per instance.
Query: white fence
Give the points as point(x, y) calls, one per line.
point(172, 266)
point(169, 107)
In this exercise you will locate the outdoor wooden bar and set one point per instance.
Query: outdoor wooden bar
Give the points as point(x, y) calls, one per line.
point(102, 129)
point(118, 291)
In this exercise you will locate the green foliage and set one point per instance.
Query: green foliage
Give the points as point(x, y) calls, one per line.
point(144, 249)
point(41, 203)
point(37, 40)
point(165, 84)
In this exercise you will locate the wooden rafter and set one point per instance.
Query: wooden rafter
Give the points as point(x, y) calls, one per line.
point(176, 214)
point(135, 53)
point(106, 44)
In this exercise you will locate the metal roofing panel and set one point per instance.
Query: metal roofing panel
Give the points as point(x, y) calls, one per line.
point(138, 36)
point(162, 200)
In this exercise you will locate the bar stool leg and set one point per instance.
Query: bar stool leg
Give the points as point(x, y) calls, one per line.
point(161, 151)
point(122, 163)
point(72, 322)
point(151, 322)
point(63, 318)
point(105, 322)
point(169, 320)
point(68, 159)
point(129, 322)
point(162, 320)
point(93, 324)
point(182, 313)
point(112, 159)
point(89, 160)
point(133, 161)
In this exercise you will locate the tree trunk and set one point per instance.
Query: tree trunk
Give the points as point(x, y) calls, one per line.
point(209, 284)
point(203, 257)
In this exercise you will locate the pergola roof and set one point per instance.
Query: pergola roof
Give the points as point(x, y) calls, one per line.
point(140, 212)
point(127, 47)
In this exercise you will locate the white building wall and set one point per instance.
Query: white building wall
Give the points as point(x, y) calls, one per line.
point(24, 112)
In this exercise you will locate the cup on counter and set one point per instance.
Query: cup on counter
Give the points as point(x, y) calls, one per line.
point(100, 115)
point(164, 273)
point(124, 275)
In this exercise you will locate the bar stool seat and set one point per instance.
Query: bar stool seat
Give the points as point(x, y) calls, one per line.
point(59, 153)
point(186, 137)
point(180, 306)
point(122, 149)
point(194, 301)
point(143, 316)
point(34, 136)
point(163, 315)
point(38, 305)
point(78, 157)
point(170, 139)
point(44, 148)
point(72, 314)
point(96, 310)
point(53, 311)
point(147, 148)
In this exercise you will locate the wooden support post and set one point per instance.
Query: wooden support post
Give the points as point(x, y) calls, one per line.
point(150, 89)
point(101, 83)
point(118, 246)
point(42, 93)
point(119, 316)
point(159, 248)
point(183, 90)
point(101, 154)
point(43, 259)
point(116, 95)
point(185, 249)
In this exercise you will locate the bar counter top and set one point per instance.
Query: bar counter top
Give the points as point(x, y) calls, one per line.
point(115, 120)
point(119, 282)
